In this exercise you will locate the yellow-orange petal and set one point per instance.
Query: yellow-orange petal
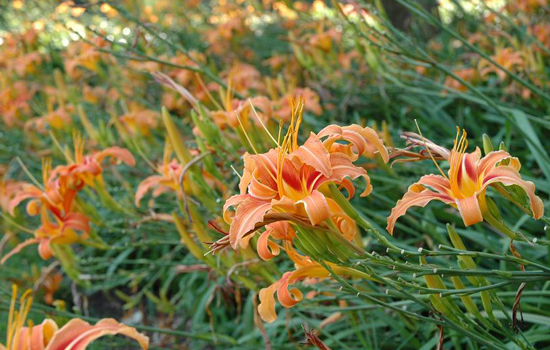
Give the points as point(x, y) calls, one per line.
point(37, 337)
point(314, 154)
point(18, 248)
point(145, 186)
point(417, 195)
point(288, 298)
point(342, 168)
point(78, 334)
point(266, 309)
point(491, 160)
point(249, 212)
point(116, 153)
point(267, 249)
point(469, 210)
point(316, 207)
point(508, 175)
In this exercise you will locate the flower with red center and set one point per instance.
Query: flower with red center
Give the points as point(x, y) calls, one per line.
point(464, 188)
point(290, 179)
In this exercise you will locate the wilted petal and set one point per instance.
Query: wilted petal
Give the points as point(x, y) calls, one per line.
point(78, 334)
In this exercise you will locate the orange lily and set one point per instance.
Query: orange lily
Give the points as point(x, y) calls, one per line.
point(305, 269)
point(507, 58)
point(75, 335)
point(464, 188)
point(283, 107)
point(140, 119)
point(290, 178)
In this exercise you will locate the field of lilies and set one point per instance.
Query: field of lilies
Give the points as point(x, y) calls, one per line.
point(250, 174)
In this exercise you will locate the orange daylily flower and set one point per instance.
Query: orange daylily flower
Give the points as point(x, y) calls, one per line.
point(14, 100)
point(283, 107)
point(57, 119)
point(8, 189)
point(305, 269)
point(505, 57)
point(464, 188)
point(289, 179)
point(469, 75)
point(62, 184)
point(170, 179)
point(75, 335)
point(140, 120)
point(167, 181)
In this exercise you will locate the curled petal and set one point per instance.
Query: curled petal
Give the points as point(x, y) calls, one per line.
point(492, 159)
point(316, 207)
point(77, 221)
point(116, 153)
point(29, 191)
point(260, 167)
point(314, 154)
point(417, 195)
point(266, 309)
point(231, 202)
point(358, 136)
point(343, 168)
point(345, 224)
point(249, 212)
point(78, 334)
point(45, 249)
point(288, 298)
point(508, 175)
point(469, 210)
point(267, 249)
point(146, 186)
point(281, 230)
point(436, 182)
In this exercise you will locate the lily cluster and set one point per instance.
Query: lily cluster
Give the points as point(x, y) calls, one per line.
point(286, 191)
point(63, 220)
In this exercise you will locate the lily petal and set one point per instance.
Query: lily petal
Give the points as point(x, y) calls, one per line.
point(266, 309)
point(37, 337)
point(342, 168)
point(316, 207)
point(288, 298)
point(78, 334)
point(508, 175)
point(469, 210)
point(249, 212)
point(314, 154)
point(267, 249)
point(417, 195)
point(117, 154)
